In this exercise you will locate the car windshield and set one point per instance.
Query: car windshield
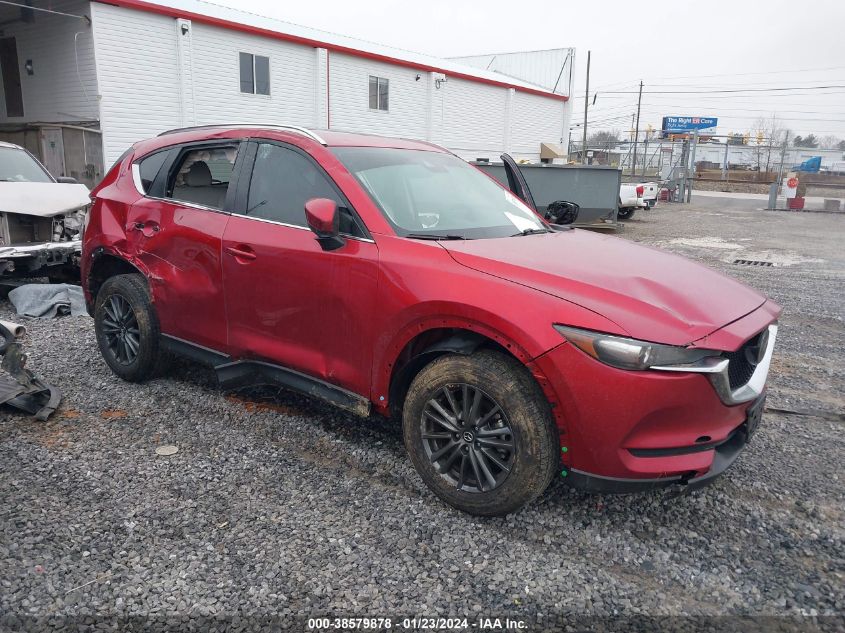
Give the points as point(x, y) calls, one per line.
point(16, 165)
point(433, 194)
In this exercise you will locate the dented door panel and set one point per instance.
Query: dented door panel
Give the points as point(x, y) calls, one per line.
point(297, 305)
point(180, 247)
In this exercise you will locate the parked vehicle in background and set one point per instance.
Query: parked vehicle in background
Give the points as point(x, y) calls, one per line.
point(651, 192)
point(555, 189)
point(389, 275)
point(41, 219)
point(630, 199)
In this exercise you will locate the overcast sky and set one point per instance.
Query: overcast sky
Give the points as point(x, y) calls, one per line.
point(680, 45)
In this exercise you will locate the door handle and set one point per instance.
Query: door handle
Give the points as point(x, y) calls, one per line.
point(241, 252)
point(148, 228)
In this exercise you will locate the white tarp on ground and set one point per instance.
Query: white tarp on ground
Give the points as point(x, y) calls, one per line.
point(44, 199)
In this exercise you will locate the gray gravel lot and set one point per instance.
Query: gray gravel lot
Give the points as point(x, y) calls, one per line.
point(275, 505)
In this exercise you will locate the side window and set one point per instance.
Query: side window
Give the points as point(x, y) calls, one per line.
point(202, 176)
point(283, 180)
point(150, 166)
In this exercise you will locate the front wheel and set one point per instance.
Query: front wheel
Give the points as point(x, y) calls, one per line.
point(626, 213)
point(480, 432)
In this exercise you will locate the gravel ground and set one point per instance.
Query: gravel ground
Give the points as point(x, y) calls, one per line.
point(278, 506)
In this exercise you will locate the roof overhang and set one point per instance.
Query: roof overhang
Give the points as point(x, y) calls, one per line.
point(173, 12)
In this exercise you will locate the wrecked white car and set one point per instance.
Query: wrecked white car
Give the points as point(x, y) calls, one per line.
point(41, 219)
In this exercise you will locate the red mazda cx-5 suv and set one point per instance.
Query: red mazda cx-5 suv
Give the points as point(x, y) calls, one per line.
point(389, 276)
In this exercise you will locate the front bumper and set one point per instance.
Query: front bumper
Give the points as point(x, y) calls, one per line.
point(24, 260)
point(623, 431)
point(724, 456)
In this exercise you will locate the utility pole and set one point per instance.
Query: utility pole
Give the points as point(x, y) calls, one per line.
point(692, 164)
point(586, 105)
point(782, 155)
point(637, 129)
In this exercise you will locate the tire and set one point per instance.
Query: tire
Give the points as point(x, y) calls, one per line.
point(626, 213)
point(117, 295)
point(524, 414)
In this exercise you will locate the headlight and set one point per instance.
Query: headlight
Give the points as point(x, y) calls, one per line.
point(628, 353)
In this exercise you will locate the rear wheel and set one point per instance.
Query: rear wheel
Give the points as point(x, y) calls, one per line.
point(127, 328)
point(626, 213)
point(480, 432)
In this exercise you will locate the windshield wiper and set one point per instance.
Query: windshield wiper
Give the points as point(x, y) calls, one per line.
point(432, 236)
point(531, 232)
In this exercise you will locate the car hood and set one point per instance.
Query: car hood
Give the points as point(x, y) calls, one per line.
point(650, 294)
point(44, 199)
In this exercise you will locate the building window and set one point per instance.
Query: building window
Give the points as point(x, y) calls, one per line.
point(379, 91)
point(255, 74)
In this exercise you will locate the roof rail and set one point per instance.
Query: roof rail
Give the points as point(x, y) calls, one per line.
point(288, 128)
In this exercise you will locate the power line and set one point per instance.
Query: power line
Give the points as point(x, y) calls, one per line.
point(703, 92)
point(765, 72)
point(618, 95)
point(601, 87)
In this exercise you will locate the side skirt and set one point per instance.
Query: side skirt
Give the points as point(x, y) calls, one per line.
point(233, 374)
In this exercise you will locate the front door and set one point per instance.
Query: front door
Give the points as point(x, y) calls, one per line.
point(177, 231)
point(516, 182)
point(287, 300)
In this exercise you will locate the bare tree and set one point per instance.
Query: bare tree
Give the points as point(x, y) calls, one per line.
point(604, 138)
point(770, 135)
point(829, 142)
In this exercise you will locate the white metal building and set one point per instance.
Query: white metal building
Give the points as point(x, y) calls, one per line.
point(132, 69)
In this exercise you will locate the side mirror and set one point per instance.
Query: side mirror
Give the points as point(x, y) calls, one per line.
point(323, 219)
point(67, 180)
point(562, 212)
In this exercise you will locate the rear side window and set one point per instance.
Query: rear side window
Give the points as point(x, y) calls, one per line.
point(202, 176)
point(283, 180)
point(149, 168)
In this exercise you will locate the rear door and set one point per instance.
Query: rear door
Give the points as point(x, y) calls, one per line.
point(288, 301)
point(176, 230)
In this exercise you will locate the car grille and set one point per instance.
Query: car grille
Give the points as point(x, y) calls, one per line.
point(743, 362)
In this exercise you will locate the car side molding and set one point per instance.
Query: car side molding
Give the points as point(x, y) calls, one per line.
point(234, 374)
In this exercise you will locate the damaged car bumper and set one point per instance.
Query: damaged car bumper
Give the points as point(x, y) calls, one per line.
point(27, 260)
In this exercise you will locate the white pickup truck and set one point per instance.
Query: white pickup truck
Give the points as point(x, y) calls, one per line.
point(633, 196)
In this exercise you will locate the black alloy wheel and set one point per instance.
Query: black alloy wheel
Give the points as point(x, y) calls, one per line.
point(120, 327)
point(127, 328)
point(480, 432)
point(467, 438)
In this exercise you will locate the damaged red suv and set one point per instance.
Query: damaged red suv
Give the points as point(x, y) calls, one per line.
point(390, 276)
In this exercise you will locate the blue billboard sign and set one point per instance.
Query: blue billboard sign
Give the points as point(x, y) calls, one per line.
point(681, 124)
